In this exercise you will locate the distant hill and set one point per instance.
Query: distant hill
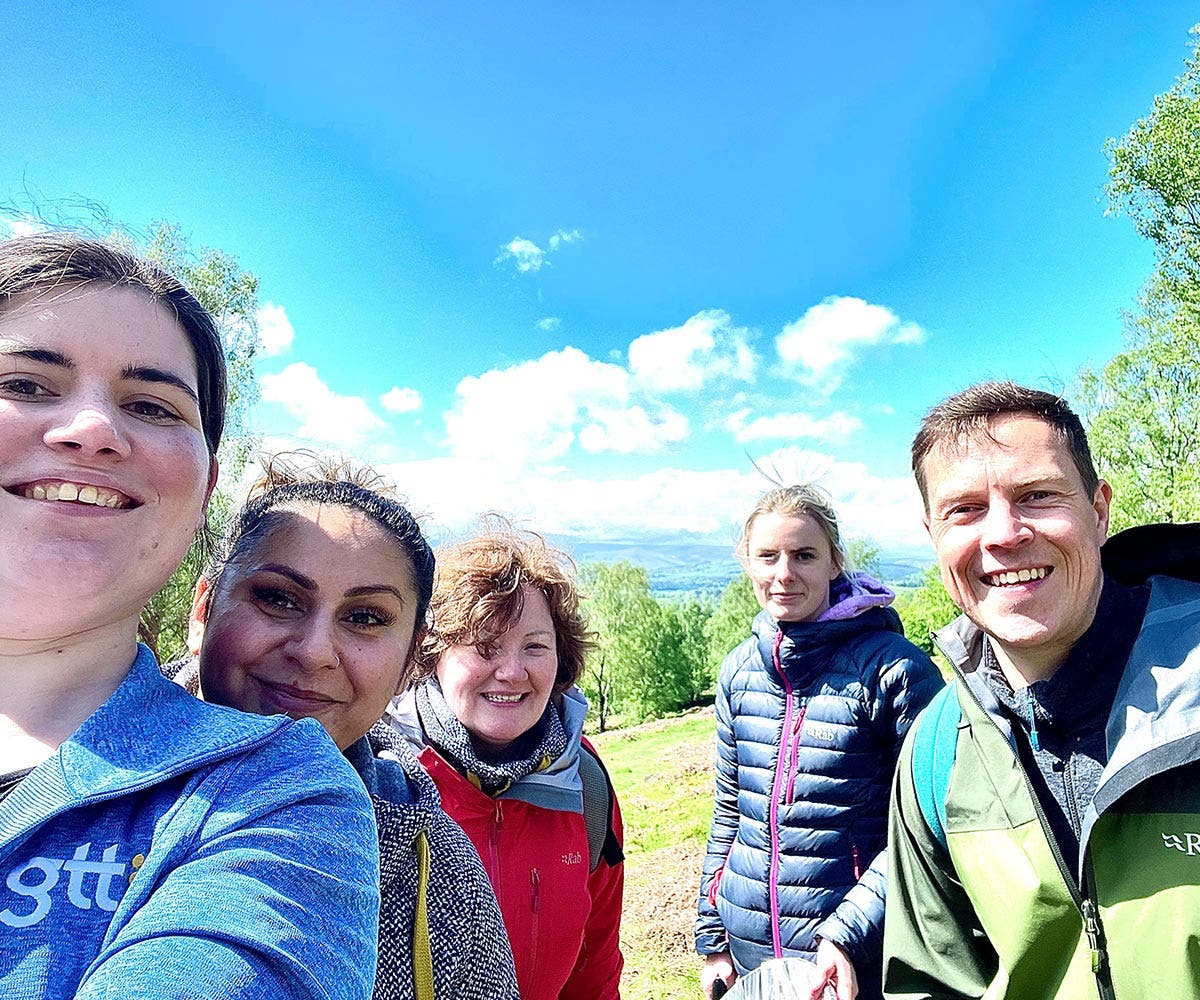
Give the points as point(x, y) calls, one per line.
point(676, 568)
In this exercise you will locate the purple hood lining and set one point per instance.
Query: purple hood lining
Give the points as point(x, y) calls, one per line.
point(850, 596)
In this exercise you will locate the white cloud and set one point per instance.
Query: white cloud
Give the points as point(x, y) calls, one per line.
point(564, 236)
point(549, 323)
point(23, 225)
point(886, 509)
point(525, 255)
point(837, 427)
point(683, 358)
point(628, 430)
point(397, 400)
point(533, 412)
point(823, 341)
point(325, 416)
point(665, 503)
point(275, 331)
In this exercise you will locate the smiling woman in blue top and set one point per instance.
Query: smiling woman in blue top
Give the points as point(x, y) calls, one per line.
point(150, 845)
point(811, 711)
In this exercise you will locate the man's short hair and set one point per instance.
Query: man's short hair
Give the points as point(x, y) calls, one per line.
point(968, 414)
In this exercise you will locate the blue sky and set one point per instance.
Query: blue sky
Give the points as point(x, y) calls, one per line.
point(590, 264)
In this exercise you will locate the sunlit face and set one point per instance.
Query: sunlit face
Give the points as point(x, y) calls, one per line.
point(316, 621)
point(104, 470)
point(501, 696)
point(791, 564)
point(1018, 538)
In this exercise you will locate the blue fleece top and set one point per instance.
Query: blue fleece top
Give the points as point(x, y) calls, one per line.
point(174, 849)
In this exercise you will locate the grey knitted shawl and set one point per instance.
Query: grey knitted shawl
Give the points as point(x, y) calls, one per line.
point(471, 955)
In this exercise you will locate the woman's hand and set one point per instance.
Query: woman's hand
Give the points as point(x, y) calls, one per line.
point(717, 968)
point(835, 969)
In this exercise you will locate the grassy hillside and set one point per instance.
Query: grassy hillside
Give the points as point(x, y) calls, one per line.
point(663, 775)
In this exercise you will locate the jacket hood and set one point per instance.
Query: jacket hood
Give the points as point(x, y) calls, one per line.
point(852, 595)
point(1134, 555)
point(559, 786)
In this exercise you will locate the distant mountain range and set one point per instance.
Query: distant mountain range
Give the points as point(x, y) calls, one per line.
point(680, 567)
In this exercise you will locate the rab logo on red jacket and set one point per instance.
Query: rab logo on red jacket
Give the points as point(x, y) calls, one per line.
point(572, 858)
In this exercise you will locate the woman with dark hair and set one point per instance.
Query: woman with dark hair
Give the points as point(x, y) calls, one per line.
point(313, 610)
point(498, 723)
point(811, 711)
point(150, 844)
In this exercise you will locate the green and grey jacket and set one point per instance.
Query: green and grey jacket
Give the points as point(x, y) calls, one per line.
point(991, 911)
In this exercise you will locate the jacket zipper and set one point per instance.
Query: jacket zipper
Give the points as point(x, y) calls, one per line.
point(494, 846)
point(794, 754)
point(1081, 896)
point(776, 791)
point(535, 884)
point(857, 862)
point(1095, 933)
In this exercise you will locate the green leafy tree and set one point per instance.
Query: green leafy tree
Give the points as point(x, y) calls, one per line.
point(688, 621)
point(651, 656)
point(1143, 412)
point(927, 610)
point(1143, 407)
point(863, 554)
point(1154, 177)
point(628, 623)
point(730, 621)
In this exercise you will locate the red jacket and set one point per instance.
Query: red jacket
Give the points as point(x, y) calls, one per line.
point(563, 923)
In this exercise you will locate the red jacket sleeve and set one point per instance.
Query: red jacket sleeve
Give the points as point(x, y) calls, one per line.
point(597, 972)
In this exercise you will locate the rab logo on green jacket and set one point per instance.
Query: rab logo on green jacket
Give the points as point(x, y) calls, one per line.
point(1188, 844)
point(90, 883)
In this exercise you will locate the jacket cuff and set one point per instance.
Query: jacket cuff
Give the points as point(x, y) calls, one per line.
point(711, 943)
point(832, 929)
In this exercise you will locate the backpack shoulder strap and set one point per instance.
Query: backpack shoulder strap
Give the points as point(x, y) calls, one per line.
point(597, 810)
point(935, 745)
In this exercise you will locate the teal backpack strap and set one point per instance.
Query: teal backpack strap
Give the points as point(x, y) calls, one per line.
point(597, 810)
point(934, 747)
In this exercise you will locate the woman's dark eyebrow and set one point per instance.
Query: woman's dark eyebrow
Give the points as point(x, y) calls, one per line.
point(38, 354)
point(378, 588)
point(142, 373)
point(298, 578)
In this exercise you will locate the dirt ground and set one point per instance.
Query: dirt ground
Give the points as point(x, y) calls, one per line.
point(661, 884)
point(660, 908)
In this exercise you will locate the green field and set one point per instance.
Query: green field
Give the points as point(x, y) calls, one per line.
point(663, 775)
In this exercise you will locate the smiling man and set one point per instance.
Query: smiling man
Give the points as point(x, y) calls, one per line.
point(1045, 831)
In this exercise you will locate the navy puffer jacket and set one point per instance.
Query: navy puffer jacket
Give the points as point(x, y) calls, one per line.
point(805, 757)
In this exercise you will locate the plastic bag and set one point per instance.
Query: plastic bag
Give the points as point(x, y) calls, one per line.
point(778, 979)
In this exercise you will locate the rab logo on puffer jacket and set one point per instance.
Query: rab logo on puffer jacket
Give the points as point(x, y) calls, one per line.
point(821, 731)
point(1188, 844)
point(100, 884)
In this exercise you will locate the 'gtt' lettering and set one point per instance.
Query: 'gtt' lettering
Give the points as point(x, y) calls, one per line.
point(38, 877)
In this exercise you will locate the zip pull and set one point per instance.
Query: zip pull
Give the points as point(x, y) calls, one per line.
point(1033, 733)
point(857, 863)
point(497, 824)
point(1091, 927)
point(536, 881)
point(799, 723)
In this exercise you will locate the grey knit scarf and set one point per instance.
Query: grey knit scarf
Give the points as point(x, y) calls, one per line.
point(533, 751)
